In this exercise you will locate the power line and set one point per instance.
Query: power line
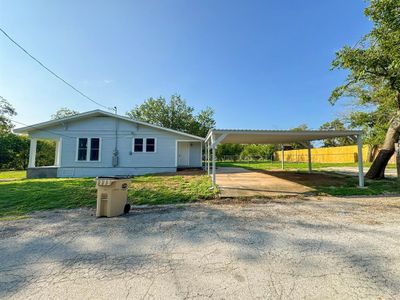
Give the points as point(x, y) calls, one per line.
point(53, 73)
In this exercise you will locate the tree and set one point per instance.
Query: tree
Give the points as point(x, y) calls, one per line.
point(175, 114)
point(64, 112)
point(6, 112)
point(14, 151)
point(335, 142)
point(232, 151)
point(374, 75)
point(301, 127)
point(257, 151)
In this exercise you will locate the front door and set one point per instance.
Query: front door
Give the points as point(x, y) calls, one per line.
point(183, 154)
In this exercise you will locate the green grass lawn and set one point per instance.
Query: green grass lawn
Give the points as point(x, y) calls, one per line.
point(268, 165)
point(12, 174)
point(19, 197)
point(349, 187)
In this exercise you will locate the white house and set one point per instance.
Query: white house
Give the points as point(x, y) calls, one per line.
point(99, 143)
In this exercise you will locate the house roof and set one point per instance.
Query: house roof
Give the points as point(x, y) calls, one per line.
point(95, 113)
point(248, 136)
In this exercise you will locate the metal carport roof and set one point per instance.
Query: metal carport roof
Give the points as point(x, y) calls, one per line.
point(247, 136)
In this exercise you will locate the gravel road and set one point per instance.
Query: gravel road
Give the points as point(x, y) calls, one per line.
point(312, 248)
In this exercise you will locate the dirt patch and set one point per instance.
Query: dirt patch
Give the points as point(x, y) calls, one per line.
point(313, 179)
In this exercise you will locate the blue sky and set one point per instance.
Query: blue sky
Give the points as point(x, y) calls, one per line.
point(259, 64)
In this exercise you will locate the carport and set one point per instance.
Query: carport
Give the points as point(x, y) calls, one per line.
point(277, 137)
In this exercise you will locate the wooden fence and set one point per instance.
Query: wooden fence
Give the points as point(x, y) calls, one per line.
point(344, 154)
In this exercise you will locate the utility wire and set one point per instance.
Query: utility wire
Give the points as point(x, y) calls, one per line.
point(53, 73)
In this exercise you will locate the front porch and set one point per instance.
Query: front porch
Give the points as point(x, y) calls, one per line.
point(50, 171)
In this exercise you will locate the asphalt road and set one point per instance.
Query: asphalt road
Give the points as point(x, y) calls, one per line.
point(321, 248)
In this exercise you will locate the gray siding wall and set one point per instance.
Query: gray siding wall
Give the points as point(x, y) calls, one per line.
point(130, 163)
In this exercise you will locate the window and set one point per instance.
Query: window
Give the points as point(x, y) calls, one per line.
point(144, 145)
point(150, 145)
point(82, 149)
point(89, 146)
point(138, 146)
point(94, 149)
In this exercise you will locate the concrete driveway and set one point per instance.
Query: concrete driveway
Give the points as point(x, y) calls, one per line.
point(319, 248)
point(239, 182)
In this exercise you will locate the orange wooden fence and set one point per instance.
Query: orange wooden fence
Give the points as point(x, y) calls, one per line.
point(344, 154)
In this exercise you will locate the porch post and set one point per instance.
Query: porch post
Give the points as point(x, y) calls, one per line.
point(309, 158)
point(360, 161)
point(283, 157)
point(208, 157)
point(57, 157)
point(213, 160)
point(32, 153)
point(213, 166)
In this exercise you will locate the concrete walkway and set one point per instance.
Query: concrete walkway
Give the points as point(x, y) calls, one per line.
point(239, 182)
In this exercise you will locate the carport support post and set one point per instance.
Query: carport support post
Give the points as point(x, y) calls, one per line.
point(309, 158)
point(360, 161)
point(283, 157)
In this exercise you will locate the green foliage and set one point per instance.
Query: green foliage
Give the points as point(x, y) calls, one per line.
point(6, 112)
point(301, 127)
point(45, 153)
point(229, 150)
point(14, 151)
point(174, 114)
point(64, 112)
point(373, 79)
point(335, 142)
point(257, 151)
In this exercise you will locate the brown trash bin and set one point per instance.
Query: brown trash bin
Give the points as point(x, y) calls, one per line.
point(112, 195)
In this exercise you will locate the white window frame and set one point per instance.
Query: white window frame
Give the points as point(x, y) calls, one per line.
point(144, 145)
point(89, 146)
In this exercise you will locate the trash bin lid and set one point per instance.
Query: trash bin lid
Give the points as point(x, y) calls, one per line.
point(113, 177)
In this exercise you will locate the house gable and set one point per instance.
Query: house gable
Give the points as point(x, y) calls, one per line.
point(96, 120)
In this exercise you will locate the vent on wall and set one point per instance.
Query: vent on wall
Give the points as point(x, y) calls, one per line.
point(67, 172)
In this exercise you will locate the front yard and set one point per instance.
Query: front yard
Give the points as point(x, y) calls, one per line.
point(20, 196)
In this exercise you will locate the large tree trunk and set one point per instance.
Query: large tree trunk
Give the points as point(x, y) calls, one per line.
point(377, 170)
point(371, 152)
point(398, 161)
